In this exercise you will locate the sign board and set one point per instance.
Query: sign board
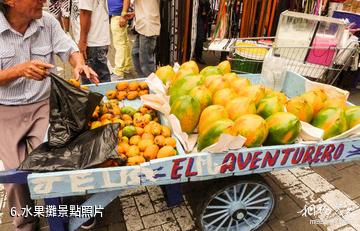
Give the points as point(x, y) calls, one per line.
point(192, 167)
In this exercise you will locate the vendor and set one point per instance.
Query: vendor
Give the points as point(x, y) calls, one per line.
point(28, 39)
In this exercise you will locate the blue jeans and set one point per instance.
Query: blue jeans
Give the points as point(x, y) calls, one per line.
point(143, 55)
point(97, 60)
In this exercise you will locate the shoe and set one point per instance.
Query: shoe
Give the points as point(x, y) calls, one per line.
point(115, 77)
point(89, 224)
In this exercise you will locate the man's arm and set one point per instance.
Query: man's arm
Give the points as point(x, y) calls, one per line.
point(123, 18)
point(126, 5)
point(34, 69)
point(85, 23)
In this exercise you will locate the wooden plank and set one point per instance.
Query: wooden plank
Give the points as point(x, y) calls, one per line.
point(260, 28)
point(186, 32)
point(273, 10)
point(244, 19)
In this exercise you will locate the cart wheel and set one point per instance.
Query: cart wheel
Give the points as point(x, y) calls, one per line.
point(238, 203)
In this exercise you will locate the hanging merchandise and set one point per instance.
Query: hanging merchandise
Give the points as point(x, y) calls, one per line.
point(194, 26)
point(221, 22)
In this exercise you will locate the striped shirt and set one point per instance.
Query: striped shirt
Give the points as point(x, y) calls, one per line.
point(42, 39)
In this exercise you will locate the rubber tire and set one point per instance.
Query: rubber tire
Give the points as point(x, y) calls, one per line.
point(222, 183)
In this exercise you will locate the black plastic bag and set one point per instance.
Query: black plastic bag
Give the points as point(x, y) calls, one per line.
point(71, 109)
point(88, 150)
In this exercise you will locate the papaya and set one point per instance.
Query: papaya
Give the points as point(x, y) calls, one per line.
point(300, 108)
point(212, 133)
point(352, 116)
point(255, 92)
point(230, 77)
point(211, 114)
point(270, 93)
point(316, 99)
point(187, 109)
point(182, 73)
point(269, 106)
point(240, 106)
point(283, 127)
point(336, 102)
point(190, 65)
point(218, 84)
point(223, 96)
point(206, 80)
point(202, 94)
point(183, 86)
point(240, 84)
point(165, 73)
point(253, 128)
point(332, 120)
point(224, 66)
point(211, 70)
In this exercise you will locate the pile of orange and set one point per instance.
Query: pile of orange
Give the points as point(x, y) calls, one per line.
point(128, 90)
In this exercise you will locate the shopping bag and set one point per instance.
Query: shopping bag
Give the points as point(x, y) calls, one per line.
point(88, 150)
point(71, 109)
point(322, 51)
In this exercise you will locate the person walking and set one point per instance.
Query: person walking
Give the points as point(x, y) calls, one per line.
point(90, 27)
point(119, 28)
point(147, 28)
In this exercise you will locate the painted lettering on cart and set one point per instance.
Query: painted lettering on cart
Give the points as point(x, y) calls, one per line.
point(250, 161)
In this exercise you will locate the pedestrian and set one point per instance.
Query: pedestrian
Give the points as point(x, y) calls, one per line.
point(147, 29)
point(202, 20)
point(60, 9)
point(29, 38)
point(119, 28)
point(89, 21)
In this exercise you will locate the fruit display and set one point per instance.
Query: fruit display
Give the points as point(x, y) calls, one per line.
point(141, 136)
point(128, 90)
point(215, 101)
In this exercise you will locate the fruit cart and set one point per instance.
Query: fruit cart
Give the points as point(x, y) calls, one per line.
point(248, 54)
point(243, 201)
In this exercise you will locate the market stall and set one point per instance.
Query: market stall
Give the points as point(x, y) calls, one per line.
point(244, 202)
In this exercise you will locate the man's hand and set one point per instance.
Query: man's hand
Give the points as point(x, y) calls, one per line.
point(122, 21)
point(130, 15)
point(83, 69)
point(34, 69)
point(83, 48)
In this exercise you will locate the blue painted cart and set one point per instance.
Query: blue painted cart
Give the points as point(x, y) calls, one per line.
point(241, 202)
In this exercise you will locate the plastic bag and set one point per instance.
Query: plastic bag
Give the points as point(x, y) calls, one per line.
point(70, 111)
point(88, 150)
